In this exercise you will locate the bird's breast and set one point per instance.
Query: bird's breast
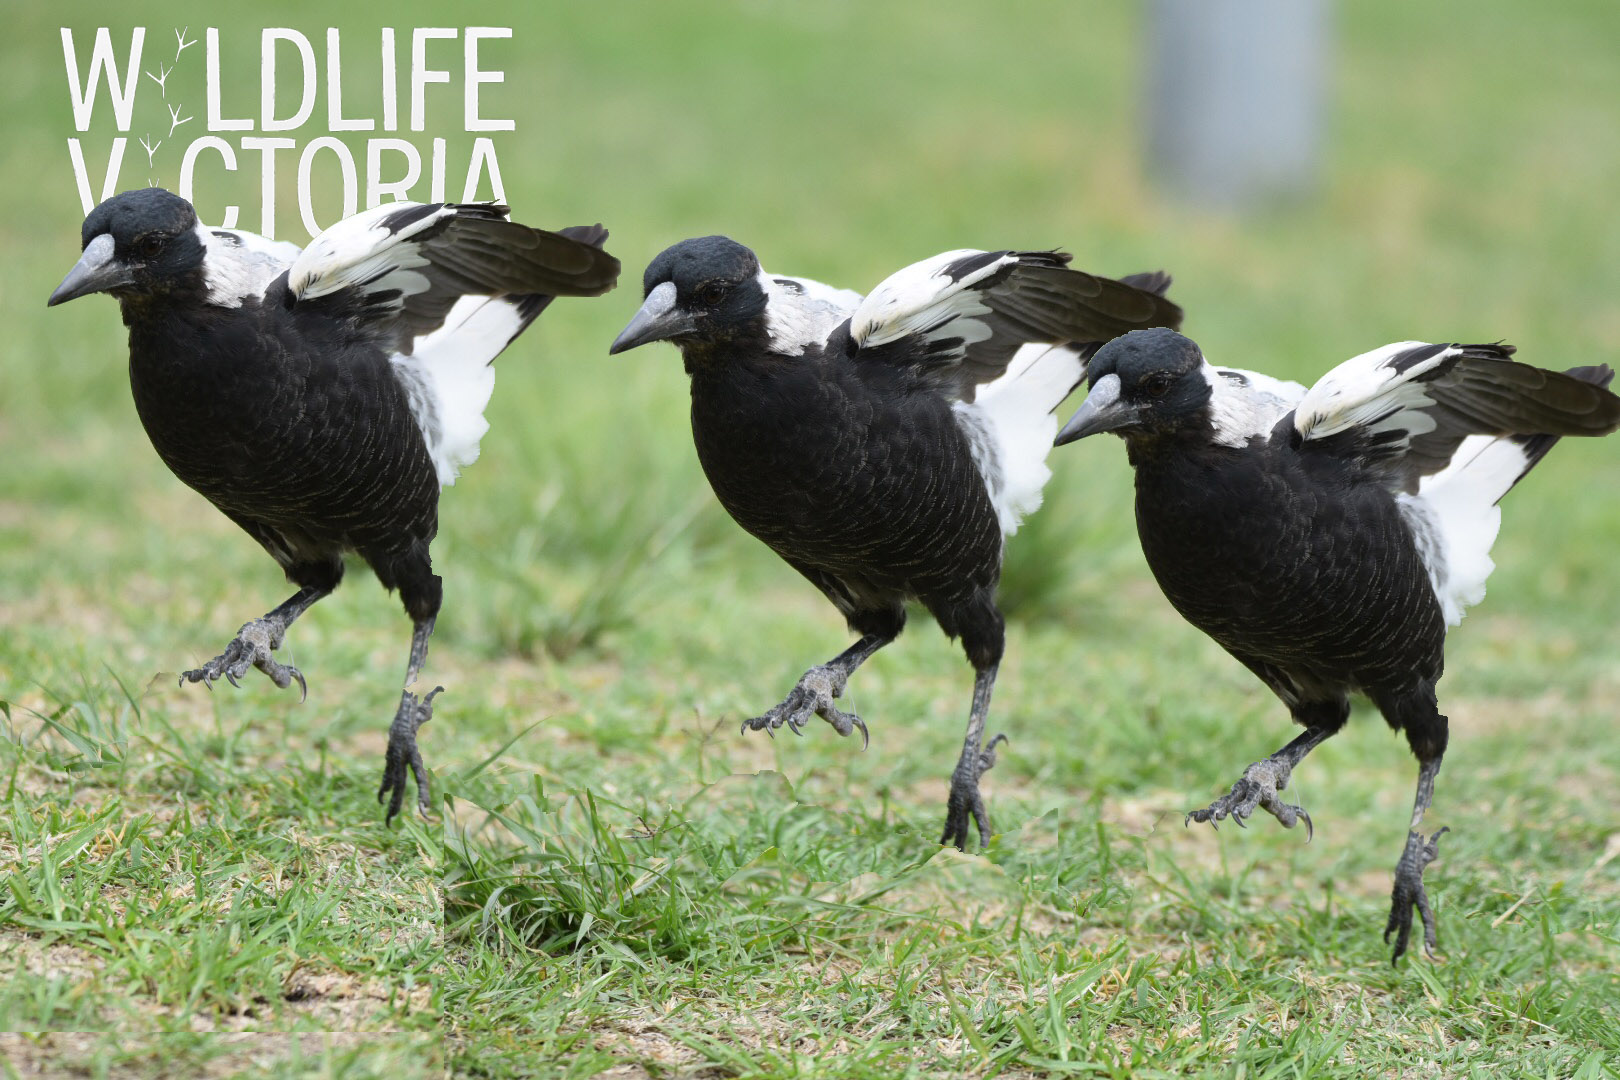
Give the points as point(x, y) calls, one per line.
point(845, 480)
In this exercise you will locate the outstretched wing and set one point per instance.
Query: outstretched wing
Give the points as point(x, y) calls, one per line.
point(1403, 410)
point(400, 268)
point(957, 319)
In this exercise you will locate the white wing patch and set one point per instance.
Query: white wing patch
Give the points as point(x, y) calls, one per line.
point(1010, 427)
point(800, 313)
point(449, 377)
point(1243, 404)
point(362, 251)
point(238, 264)
point(1370, 391)
point(1455, 517)
point(921, 298)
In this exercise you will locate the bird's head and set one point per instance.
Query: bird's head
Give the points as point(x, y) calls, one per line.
point(1144, 384)
point(701, 295)
point(141, 242)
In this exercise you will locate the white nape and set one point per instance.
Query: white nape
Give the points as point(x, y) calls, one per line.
point(238, 264)
point(800, 312)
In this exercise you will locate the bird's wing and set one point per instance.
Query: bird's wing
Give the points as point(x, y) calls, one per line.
point(957, 319)
point(400, 268)
point(1403, 410)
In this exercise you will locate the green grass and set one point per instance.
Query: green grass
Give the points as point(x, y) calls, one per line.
point(621, 884)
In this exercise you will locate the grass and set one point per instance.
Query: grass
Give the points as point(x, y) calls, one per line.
point(619, 884)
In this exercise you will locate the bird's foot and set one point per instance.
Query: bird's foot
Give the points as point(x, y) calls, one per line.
point(1257, 788)
point(251, 648)
point(966, 802)
point(1409, 893)
point(403, 754)
point(813, 696)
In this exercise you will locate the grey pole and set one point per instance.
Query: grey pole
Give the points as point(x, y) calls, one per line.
point(1235, 98)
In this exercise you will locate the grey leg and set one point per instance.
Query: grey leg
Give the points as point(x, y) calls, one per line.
point(965, 800)
point(1419, 853)
point(411, 715)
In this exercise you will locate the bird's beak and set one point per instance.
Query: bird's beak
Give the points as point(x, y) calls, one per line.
point(658, 320)
point(96, 271)
point(1101, 411)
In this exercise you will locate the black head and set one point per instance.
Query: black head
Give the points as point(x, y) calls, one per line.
point(699, 293)
point(1144, 383)
point(138, 243)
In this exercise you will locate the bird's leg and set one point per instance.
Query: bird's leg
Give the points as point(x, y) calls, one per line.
point(413, 712)
point(255, 642)
point(1420, 852)
point(965, 800)
point(816, 690)
point(1260, 783)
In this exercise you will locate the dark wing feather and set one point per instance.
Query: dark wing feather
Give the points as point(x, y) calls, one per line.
point(1403, 411)
point(956, 320)
point(400, 269)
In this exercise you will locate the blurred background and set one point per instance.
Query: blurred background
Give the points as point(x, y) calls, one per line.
point(1458, 169)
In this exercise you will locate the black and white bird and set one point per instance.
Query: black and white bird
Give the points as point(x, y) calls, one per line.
point(885, 447)
point(1329, 551)
point(319, 398)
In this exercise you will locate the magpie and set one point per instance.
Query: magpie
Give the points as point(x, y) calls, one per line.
point(319, 398)
point(885, 447)
point(1330, 552)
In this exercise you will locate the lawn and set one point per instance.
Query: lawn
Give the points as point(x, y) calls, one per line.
point(617, 883)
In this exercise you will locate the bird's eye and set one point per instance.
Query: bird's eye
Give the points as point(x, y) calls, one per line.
point(149, 246)
point(712, 293)
point(1157, 385)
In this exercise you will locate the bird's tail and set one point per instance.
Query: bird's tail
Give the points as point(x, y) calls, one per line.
point(1461, 502)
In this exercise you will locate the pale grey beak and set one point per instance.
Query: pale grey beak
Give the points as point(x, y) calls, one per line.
point(658, 320)
point(1101, 411)
point(96, 271)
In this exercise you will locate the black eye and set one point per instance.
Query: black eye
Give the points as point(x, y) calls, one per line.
point(1157, 385)
point(711, 293)
point(149, 246)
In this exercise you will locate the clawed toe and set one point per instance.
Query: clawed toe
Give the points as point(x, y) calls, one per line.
point(1256, 789)
point(966, 803)
point(1409, 894)
point(813, 696)
point(251, 648)
point(403, 754)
